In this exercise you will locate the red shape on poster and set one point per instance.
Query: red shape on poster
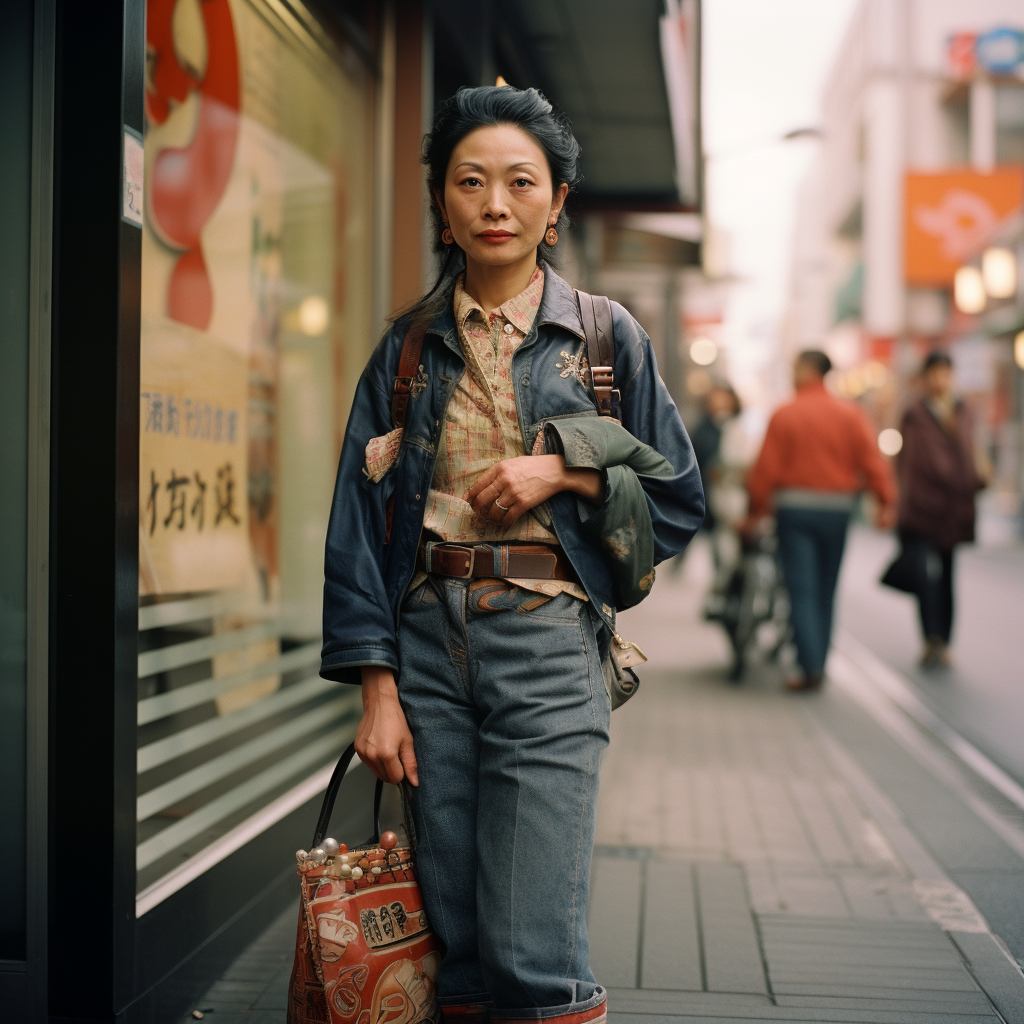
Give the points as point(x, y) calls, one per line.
point(187, 183)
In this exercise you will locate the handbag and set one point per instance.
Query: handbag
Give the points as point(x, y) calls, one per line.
point(903, 572)
point(364, 951)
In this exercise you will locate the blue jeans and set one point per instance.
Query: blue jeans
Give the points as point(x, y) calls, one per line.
point(811, 545)
point(503, 692)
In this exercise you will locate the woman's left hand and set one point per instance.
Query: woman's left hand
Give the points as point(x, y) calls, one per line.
point(510, 488)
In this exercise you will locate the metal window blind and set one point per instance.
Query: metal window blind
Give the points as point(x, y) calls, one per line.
point(234, 723)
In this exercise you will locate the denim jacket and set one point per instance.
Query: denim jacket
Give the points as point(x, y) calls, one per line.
point(366, 573)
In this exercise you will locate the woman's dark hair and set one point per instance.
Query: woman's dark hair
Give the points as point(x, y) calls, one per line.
point(816, 359)
point(484, 107)
point(936, 358)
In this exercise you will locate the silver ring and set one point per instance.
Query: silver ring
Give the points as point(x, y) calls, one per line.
point(504, 508)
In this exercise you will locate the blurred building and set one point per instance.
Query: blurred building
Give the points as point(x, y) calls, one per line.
point(919, 168)
point(210, 208)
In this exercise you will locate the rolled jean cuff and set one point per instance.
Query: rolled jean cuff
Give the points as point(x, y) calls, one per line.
point(591, 1011)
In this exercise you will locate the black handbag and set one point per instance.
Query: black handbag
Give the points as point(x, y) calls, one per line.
point(905, 571)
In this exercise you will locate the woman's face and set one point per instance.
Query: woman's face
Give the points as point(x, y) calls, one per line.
point(499, 199)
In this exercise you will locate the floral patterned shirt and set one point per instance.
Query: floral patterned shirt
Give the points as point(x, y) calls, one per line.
point(481, 427)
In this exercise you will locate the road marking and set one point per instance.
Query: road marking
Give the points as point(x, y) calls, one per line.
point(949, 906)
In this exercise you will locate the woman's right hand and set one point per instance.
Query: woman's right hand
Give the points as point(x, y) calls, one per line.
point(383, 739)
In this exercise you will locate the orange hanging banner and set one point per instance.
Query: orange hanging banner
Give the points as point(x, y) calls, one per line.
point(951, 215)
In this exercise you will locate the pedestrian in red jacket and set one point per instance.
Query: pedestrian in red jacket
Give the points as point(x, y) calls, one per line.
point(938, 482)
point(818, 455)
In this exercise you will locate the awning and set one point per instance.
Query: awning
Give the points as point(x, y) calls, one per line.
point(604, 63)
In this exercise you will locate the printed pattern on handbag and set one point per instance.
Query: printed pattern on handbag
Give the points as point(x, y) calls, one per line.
point(365, 953)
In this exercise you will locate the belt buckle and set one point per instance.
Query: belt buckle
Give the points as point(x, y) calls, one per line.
point(469, 551)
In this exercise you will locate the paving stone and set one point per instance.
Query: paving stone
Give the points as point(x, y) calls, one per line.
point(811, 894)
point(614, 920)
point(732, 954)
point(275, 995)
point(729, 1014)
point(671, 944)
point(926, 1002)
point(896, 994)
point(864, 957)
point(672, 997)
point(852, 927)
point(830, 844)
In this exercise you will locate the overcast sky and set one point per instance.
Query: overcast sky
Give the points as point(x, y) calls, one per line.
point(764, 64)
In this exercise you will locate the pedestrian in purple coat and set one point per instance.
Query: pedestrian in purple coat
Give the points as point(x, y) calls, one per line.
point(938, 480)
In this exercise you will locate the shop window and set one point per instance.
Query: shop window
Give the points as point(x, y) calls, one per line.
point(255, 319)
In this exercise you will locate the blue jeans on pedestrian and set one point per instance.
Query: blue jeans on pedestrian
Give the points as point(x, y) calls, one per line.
point(503, 692)
point(811, 542)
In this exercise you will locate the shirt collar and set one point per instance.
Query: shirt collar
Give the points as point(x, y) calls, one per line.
point(520, 311)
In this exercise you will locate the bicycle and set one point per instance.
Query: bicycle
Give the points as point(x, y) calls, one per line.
point(754, 609)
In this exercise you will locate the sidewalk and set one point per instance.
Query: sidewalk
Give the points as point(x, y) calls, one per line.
point(749, 864)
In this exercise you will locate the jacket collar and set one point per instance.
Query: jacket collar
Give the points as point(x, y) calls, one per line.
point(557, 306)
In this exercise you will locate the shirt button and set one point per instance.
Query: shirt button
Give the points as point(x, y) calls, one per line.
point(417, 497)
point(509, 328)
point(525, 380)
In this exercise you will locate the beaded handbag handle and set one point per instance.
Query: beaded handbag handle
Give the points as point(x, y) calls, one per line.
point(327, 807)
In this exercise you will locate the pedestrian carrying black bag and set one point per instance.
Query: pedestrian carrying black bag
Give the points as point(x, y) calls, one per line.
point(904, 572)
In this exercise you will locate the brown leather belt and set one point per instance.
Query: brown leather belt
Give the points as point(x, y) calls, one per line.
point(514, 561)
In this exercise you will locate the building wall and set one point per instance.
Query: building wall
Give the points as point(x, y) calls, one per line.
point(890, 107)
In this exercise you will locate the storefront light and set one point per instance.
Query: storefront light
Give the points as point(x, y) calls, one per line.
point(969, 290)
point(1018, 350)
point(890, 441)
point(703, 351)
point(999, 273)
point(313, 316)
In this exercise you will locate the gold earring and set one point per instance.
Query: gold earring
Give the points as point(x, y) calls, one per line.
point(446, 235)
point(551, 236)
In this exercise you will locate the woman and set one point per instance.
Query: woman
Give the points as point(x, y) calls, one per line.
point(473, 561)
point(938, 480)
point(727, 457)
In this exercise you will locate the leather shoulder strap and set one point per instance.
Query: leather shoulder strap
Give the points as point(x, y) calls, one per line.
point(411, 378)
point(596, 314)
